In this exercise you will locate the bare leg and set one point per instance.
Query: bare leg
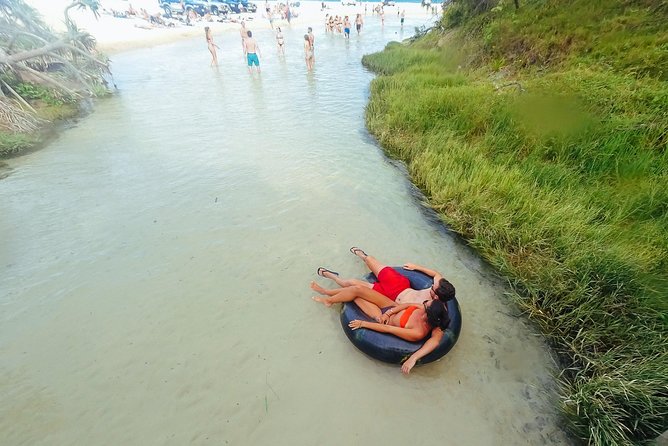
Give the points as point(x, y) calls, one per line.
point(369, 309)
point(324, 291)
point(345, 282)
point(371, 262)
point(351, 293)
point(325, 301)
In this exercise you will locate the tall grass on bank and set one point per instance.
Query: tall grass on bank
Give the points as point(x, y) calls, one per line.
point(562, 187)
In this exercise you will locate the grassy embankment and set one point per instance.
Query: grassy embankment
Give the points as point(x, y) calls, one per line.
point(541, 136)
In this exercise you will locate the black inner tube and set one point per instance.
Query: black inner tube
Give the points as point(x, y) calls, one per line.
point(389, 348)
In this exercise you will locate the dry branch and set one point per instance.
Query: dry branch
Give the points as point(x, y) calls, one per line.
point(15, 119)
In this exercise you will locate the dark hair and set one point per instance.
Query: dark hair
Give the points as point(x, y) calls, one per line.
point(437, 315)
point(445, 291)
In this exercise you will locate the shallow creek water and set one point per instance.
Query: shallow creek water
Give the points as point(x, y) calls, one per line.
point(156, 258)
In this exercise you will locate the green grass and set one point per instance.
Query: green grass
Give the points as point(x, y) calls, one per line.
point(57, 112)
point(562, 186)
point(13, 143)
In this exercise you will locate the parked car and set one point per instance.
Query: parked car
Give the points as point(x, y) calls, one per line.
point(234, 6)
point(174, 6)
point(218, 7)
point(249, 6)
point(389, 3)
point(238, 6)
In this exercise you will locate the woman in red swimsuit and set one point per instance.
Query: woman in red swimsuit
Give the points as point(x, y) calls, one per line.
point(412, 322)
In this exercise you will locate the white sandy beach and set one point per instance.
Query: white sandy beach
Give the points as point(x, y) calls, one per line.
point(118, 34)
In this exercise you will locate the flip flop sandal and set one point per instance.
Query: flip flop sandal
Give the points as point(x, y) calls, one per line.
point(354, 249)
point(322, 270)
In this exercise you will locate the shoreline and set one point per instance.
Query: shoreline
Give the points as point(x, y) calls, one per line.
point(115, 35)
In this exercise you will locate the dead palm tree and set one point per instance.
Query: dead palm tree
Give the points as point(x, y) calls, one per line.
point(28, 48)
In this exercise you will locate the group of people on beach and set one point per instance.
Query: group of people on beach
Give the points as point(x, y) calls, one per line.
point(281, 10)
point(394, 306)
point(170, 19)
point(155, 19)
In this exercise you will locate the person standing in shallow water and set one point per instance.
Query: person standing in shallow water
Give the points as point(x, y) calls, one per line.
point(243, 32)
point(280, 41)
point(252, 49)
point(358, 22)
point(311, 39)
point(212, 46)
point(308, 53)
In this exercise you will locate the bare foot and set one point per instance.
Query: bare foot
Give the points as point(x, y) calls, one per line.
point(322, 300)
point(318, 289)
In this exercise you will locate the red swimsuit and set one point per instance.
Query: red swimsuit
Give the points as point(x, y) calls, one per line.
point(407, 315)
point(391, 283)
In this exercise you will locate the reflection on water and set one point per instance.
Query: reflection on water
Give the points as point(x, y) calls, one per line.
point(156, 261)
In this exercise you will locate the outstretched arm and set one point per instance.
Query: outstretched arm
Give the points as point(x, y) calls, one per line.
point(409, 334)
point(430, 272)
point(428, 347)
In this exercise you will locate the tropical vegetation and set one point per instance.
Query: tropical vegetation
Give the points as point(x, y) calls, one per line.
point(538, 129)
point(43, 74)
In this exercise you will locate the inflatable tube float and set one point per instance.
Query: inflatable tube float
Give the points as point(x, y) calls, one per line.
point(389, 348)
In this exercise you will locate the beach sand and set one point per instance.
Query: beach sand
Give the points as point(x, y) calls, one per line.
point(114, 35)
